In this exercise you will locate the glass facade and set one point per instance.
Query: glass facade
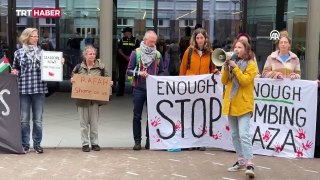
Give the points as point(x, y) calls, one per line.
point(265, 15)
point(79, 26)
point(4, 41)
point(223, 19)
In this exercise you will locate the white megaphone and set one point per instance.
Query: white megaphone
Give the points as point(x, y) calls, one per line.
point(219, 56)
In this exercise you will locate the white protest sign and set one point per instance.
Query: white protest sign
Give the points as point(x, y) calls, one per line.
point(185, 112)
point(51, 66)
point(284, 121)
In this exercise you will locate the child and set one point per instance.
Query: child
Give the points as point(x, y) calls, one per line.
point(239, 76)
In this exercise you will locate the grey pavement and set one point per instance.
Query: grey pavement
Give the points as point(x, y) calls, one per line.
point(61, 127)
point(117, 164)
point(63, 158)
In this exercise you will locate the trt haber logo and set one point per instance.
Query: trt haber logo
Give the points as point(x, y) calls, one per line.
point(46, 12)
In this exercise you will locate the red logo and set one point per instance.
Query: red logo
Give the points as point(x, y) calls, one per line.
point(46, 12)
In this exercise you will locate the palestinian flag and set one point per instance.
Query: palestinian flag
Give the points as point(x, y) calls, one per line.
point(4, 64)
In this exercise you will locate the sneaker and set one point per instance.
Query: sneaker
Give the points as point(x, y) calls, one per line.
point(250, 171)
point(86, 148)
point(38, 149)
point(26, 149)
point(147, 146)
point(95, 147)
point(236, 167)
point(137, 146)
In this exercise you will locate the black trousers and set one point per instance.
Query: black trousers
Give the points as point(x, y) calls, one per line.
point(123, 65)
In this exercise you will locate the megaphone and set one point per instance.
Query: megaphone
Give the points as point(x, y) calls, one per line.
point(219, 56)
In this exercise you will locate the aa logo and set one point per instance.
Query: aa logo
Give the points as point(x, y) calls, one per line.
point(274, 35)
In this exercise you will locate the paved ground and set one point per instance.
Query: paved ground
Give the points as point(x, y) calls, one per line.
point(63, 158)
point(118, 164)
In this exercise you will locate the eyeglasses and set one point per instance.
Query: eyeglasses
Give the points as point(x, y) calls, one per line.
point(34, 36)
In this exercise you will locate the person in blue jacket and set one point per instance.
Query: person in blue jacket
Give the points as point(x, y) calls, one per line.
point(144, 61)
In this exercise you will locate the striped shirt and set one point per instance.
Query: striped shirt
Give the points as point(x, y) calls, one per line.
point(29, 73)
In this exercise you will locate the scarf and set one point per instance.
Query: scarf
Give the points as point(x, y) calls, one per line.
point(33, 53)
point(148, 55)
point(235, 83)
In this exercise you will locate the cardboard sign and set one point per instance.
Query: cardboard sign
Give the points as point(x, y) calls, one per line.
point(90, 87)
point(51, 66)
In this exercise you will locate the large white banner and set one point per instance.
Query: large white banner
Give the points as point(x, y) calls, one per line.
point(185, 111)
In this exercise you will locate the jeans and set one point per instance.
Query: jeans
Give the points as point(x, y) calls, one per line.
point(240, 128)
point(35, 102)
point(89, 117)
point(139, 98)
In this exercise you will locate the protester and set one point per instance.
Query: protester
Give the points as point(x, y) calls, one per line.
point(247, 38)
point(89, 109)
point(32, 90)
point(185, 40)
point(282, 63)
point(173, 58)
point(126, 45)
point(197, 58)
point(147, 63)
point(239, 76)
point(200, 48)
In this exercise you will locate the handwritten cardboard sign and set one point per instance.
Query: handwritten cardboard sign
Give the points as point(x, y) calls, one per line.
point(90, 87)
point(51, 66)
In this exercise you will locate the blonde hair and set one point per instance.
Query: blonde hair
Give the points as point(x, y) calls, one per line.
point(86, 48)
point(25, 35)
point(193, 42)
point(283, 34)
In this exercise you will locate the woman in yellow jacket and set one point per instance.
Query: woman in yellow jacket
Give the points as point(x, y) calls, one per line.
point(238, 104)
point(199, 62)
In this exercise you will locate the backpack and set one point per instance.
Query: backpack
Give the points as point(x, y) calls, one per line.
point(189, 59)
point(46, 45)
point(78, 66)
point(137, 68)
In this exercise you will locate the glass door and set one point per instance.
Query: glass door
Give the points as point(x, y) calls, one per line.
point(45, 26)
point(4, 41)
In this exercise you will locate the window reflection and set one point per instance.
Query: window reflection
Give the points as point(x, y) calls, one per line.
point(79, 26)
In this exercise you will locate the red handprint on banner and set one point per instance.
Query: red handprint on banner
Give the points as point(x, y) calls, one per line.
point(278, 148)
point(177, 126)
point(156, 138)
point(299, 152)
point(156, 121)
point(227, 127)
point(217, 136)
point(205, 130)
point(266, 136)
point(307, 146)
point(301, 134)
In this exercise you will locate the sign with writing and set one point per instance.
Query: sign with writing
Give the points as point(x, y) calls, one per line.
point(90, 87)
point(40, 12)
point(51, 66)
point(186, 112)
point(10, 124)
